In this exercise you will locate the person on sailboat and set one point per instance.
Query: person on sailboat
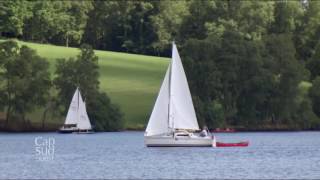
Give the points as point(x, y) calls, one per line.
point(204, 132)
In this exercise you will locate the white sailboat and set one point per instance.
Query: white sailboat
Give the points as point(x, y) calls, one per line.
point(173, 121)
point(77, 119)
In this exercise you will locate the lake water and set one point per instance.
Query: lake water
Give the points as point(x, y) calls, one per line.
point(285, 155)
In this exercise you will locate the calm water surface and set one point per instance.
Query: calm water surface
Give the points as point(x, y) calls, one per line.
point(286, 155)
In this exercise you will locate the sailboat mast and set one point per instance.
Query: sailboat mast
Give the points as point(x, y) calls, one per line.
point(169, 95)
point(170, 77)
point(78, 105)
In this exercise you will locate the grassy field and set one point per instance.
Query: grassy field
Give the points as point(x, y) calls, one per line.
point(132, 81)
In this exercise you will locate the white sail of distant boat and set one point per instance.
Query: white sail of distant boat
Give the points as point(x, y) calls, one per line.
point(84, 122)
point(72, 115)
point(77, 119)
point(173, 117)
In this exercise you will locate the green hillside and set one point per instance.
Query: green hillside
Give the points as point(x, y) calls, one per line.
point(132, 81)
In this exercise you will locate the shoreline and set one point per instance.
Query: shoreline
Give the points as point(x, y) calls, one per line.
point(142, 130)
point(32, 127)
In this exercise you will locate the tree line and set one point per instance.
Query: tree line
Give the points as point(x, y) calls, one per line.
point(249, 63)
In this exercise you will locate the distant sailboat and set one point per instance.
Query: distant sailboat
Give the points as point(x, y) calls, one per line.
point(77, 119)
point(173, 121)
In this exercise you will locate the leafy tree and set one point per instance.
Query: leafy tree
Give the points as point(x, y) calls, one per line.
point(228, 62)
point(203, 75)
point(217, 112)
point(59, 22)
point(249, 18)
point(287, 74)
point(107, 116)
point(41, 27)
point(315, 95)
point(288, 16)
point(26, 80)
point(245, 81)
point(210, 114)
point(83, 72)
point(12, 17)
point(253, 82)
point(254, 18)
point(231, 77)
point(308, 33)
point(121, 25)
point(73, 30)
point(305, 117)
point(314, 63)
point(167, 23)
point(194, 24)
point(9, 51)
point(101, 23)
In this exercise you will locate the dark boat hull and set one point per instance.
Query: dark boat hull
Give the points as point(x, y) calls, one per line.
point(66, 131)
point(89, 131)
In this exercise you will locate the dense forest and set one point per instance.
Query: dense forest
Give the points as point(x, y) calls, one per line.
point(250, 64)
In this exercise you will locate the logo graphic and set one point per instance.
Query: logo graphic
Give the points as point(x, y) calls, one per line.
point(44, 148)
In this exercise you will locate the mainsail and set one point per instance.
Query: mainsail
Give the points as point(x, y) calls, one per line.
point(173, 108)
point(72, 116)
point(182, 110)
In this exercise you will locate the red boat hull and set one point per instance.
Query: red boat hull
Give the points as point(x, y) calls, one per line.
point(239, 144)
